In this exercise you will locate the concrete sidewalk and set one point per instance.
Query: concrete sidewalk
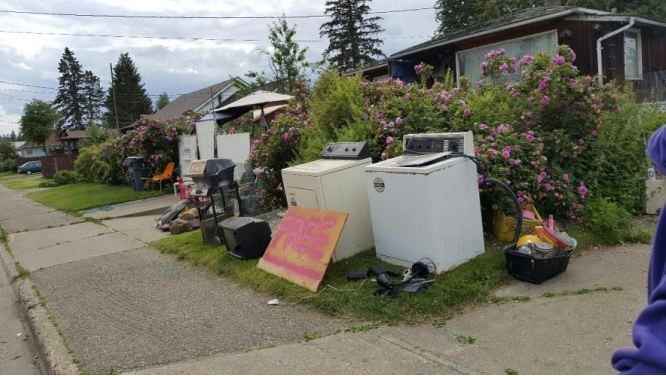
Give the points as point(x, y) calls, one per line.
point(574, 333)
point(155, 207)
point(17, 354)
point(123, 307)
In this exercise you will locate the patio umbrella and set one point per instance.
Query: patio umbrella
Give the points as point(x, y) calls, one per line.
point(258, 99)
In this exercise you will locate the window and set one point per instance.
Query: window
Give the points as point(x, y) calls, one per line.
point(633, 62)
point(468, 61)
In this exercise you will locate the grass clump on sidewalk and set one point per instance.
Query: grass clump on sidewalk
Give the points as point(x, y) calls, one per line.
point(81, 196)
point(469, 283)
point(20, 182)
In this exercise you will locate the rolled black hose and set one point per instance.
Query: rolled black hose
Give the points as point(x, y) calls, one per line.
point(519, 210)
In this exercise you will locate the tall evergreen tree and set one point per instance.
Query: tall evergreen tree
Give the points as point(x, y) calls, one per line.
point(12, 136)
point(131, 98)
point(162, 101)
point(351, 34)
point(70, 101)
point(94, 98)
point(454, 15)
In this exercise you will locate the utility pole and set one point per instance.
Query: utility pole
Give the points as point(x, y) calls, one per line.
point(113, 91)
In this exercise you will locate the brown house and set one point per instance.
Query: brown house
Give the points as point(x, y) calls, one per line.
point(629, 49)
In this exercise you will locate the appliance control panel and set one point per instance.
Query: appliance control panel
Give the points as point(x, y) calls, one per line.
point(346, 150)
point(428, 143)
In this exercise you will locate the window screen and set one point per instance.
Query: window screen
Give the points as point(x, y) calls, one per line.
point(469, 60)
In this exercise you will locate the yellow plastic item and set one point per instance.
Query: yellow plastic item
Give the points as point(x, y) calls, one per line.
point(525, 239)
point(504, 226)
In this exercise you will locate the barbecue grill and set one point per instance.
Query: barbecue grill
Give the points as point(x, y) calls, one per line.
point(213, 180)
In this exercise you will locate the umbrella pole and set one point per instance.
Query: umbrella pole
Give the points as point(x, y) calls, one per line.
point(263, 121)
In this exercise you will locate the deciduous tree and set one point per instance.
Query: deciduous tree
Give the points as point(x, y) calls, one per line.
point(39, 120)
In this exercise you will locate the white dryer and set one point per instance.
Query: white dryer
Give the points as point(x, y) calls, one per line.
point(336, 182)
point(425, 204)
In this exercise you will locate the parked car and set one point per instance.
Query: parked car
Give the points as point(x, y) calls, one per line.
point(30, 167)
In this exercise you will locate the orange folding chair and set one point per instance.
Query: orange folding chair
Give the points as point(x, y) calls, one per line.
point(167, 174)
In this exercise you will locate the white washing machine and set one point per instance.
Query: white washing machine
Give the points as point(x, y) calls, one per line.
point(336, 182)
point(425, 203)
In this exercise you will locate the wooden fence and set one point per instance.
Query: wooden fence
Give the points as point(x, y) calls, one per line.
point(54, 163)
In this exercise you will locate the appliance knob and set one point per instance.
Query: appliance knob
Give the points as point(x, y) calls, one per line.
point(346, 149)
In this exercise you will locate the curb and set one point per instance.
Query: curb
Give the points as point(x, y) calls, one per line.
point(53, 353)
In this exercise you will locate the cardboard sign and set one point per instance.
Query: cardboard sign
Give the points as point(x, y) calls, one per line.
point(303, 245)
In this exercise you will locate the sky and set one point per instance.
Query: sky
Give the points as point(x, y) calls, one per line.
point(171, 66)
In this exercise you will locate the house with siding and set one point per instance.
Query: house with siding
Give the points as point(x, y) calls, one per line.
point(628, 49)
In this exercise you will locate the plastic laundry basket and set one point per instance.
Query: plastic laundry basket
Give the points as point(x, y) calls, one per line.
point(526, 268)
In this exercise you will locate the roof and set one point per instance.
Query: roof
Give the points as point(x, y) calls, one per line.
point(75, 135)
point(189, 101)
point(519, 18)
point(52, 140)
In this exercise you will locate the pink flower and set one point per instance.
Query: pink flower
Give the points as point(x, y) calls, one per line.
point(506, 152)
point(445, 95)
point(573, 83)
point(398, 121)
point(529, 138)
point(483, 66)
point(544, 100)
point(594, 133)
point(543, 83)
point(286, 137)
point(534, 163)
point(492, 152)
point(566, 177)
point(527, 59)
point(581, 141)
point(582, 190)
point(542, 175)
point(503, 67)
point(419, 69)
point(558, 60)
point(479, 178)
point(467, 112)
point(389, 140)
point(482, 126)
point(504, 128)
point(383, 156)
point(548, 186)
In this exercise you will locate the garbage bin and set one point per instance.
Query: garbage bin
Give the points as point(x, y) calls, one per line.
point(135, 167)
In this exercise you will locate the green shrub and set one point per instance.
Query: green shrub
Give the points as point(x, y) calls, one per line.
point(273, 151)
point(48, 184)
point(8, 165)
point(66, 177)
point(85, 163)
point(609, 221)
point(618, 165)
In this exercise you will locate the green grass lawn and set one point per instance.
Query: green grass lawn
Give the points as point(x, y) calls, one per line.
point(19, 182)
point(81, 196)
point(469, 283)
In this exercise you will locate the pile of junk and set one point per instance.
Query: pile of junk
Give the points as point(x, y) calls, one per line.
point(539, 250)
point(214, 203)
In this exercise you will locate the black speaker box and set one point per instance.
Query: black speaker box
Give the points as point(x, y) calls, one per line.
point(245, 237)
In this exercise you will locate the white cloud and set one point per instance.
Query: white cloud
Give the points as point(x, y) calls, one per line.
point(172, 66)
